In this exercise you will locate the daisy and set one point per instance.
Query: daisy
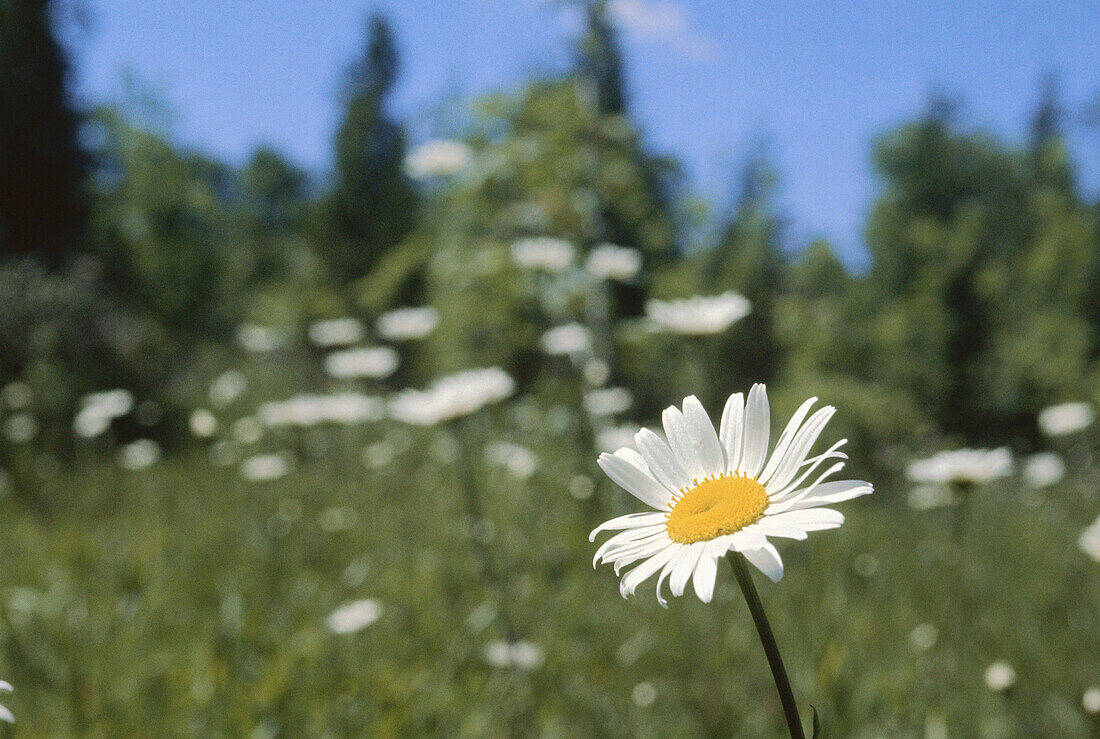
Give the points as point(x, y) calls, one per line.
point(720, 492)
point(5, 714)
point(701, 315)
point(438, 158)
point(407, 324)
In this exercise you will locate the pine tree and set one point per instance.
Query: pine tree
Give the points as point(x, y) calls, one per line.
point(372, 205)
point(43, 210)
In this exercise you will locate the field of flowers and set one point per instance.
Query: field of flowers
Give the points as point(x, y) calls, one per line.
point(358, 560)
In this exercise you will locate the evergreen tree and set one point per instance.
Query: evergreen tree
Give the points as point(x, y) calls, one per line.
point(599, 61)
point(43, 210)
point(372, 205)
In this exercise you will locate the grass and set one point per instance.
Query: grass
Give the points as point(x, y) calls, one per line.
point(183, 600)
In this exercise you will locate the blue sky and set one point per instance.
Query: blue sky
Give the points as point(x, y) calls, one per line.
point(819, 78)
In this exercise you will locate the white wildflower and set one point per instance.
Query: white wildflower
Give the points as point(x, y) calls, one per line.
point(354, 616)
point(1068, 418)
point(452, 396)
point(374, 362)
point(408, 324)
point(699, 315)
point(438, 158)
point(543, 253)
point(611, 262)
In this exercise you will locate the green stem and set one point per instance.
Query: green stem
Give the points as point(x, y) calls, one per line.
point(767, 639)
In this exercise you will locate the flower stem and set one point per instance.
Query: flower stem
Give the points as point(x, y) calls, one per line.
point(767, 639)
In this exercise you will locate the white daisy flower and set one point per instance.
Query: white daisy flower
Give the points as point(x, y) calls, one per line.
point(542, 253)
point(438, 158)
point(354, 616)
point(139, 455)
point(98, 410)
point(1000, 676)
point(699, 315)
point(720, 492)
point(408, 324)
point(1089, 540)
point(372, 362)
point(265, 467)
point(452, 396)
point(329, 332)
point(611, 262)
point(5, 714)
point(1067, 418)
point(962, 467)
point(566, 340)
point(1043, 469)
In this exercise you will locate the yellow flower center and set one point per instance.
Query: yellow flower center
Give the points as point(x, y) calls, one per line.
point(716, 506)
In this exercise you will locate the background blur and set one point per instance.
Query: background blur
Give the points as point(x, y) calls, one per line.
point(211, 521)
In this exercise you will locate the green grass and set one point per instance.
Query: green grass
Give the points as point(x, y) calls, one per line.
point(183, 600)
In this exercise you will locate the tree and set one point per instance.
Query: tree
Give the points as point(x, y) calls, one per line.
point(43, 208)
point(372, 205)
point(599, 61)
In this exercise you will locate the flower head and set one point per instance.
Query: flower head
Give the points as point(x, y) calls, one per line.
point(329, 332)
point(354, 616)
point(699, 315)
point(962, 467)
point(407, 324)
point(5, 714)
point(566, 340)
point(452, 396)
point(543, 253)
point(374, 362)
point(438, 158)
point(1068, 418)
point(611, 262)
point(719, 492)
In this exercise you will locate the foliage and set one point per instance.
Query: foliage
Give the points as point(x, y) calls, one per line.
point(43, 204)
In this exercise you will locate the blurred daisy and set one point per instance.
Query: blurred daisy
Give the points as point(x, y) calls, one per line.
point(354, 616)
point(522, 655)
point(260, 339)
point(452, 396)
point(265, 467)
point(375, 362)
point(611, 262)
point(311, 410)
point(1000, 676)
point(615, 437)
point(203, 424)
point(408, 324)
point(543, 253)
point(438, 158)
point(335, 332)
point(962, 467)
point(699, 315)
point(567, 340)
point(1090, 699)
point(5, 714)
point(720, 492)
point(1043, 469)
point(518, 460)
point(1089, 541)
point(227, 387)
point(139, 455)
point(1068, 418)
point(608, 401)
point(98, 410)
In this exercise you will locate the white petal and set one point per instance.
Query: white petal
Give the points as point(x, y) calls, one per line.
point(778, 493)
point(800, 447)
point(665, 571)
point(703, 580)
point(757, 431)
point(5, 686)
point(634, 481)
point(642, 551)
point(702, 433)
point(632, 456)
point(6, 715)
point(836, 491)
point(662, 463)
point(810, 519)
point(629, 521)
point(732, 429)
point(775, 526)
point(684, 567)
point(625, 542)
point(785, 439)
point(683, 446)
point(766, 559)
point(789, 501)
point(645, 570)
